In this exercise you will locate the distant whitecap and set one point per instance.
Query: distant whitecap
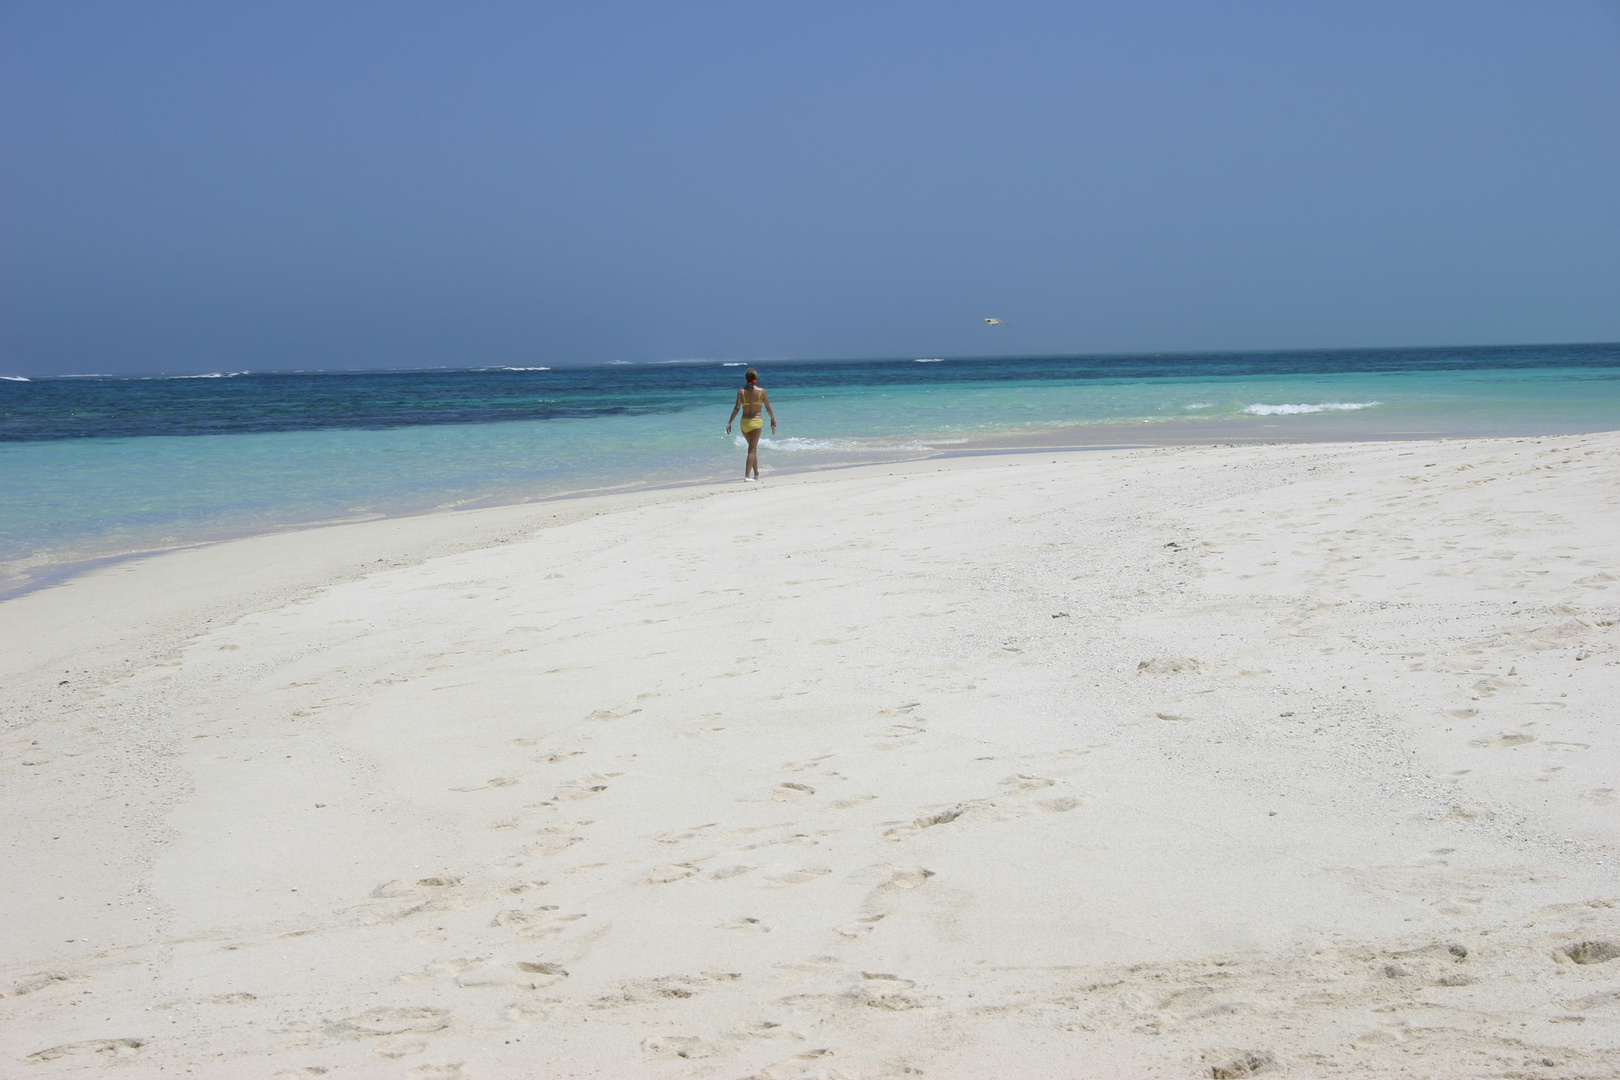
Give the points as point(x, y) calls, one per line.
point(1326, 406)
point(15, 378)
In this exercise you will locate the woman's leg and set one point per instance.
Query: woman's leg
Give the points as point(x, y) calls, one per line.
point(751, 464)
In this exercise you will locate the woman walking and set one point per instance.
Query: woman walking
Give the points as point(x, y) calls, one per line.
point(750, 399)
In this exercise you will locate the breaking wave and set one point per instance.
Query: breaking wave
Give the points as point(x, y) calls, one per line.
point(1326, 406)
point(797, 445)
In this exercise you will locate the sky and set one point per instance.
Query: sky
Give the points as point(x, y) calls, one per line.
point(225, 186)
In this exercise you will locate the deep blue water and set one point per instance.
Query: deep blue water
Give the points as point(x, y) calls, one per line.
point(231, 403)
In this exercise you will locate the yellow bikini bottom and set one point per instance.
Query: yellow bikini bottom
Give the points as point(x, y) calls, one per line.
point(752, 423)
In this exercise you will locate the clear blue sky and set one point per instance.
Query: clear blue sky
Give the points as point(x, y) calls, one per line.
point(196, 186)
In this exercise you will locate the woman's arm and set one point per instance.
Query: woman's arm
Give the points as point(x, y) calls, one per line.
point(735, 406)
point(765, 399)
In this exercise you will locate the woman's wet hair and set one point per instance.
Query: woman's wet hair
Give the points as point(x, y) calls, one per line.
point(751, 375)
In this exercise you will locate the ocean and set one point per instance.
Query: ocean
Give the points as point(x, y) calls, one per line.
point(97, 466)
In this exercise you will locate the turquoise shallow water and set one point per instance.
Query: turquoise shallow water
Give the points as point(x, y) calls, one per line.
point(92, 468)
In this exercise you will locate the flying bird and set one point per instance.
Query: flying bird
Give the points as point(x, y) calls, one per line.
point(994, 322)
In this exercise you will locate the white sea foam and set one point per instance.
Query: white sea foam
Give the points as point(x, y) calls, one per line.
point(796, 445)
point(939, 361)
point(521, 369)
point(16, 378)
point(620, 363)
point(729, 363)
point(1326, 406)
point(210, 375)
point(1200, 405)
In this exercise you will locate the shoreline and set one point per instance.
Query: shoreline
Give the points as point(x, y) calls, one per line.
point(1286, 430)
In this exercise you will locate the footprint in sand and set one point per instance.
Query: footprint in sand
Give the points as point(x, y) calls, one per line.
point(394, 890)
point(907, 877)
point(556, 839)
point(1591, 952)
point(851, 803)
point(685, 1047)
point(1503, 739)
point(858, 928)
point(746, 924)
point(798, 877)
point(762, 1029)
point(651, 991)
point(880, 990)
point(522, 917)
point(537, 975)
point(788, 792)
point(542, 922)
point(926, 821)
point(530, 1012)
point(790, 1068)
point(447, 1071)
point(101, 1049)
point(35, 983)
point(890, 876)
point(585, 787)
point(665, 873)
point(387, 1020)
point(1019, 784)
point(439, 968)
point(1169, 665)
point(1244, 1063)
point(498, 782)
point(800, 766)
point(396, 1047)
point(1602, 796)
point(483, 975)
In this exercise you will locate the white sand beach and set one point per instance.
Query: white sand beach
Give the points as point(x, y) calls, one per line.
point(1192, 761)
